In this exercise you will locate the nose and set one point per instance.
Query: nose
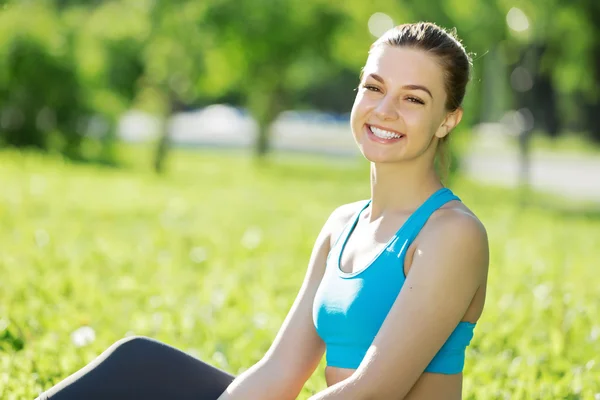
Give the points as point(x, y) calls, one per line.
point(386, 109)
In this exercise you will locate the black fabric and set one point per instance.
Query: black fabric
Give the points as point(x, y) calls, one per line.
point(142, 368)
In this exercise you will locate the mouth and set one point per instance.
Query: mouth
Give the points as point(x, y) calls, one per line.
point(381, 135)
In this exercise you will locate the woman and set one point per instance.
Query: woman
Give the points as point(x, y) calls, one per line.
point(394, 285)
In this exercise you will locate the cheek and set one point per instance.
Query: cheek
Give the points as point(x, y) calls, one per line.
point(416, 119)
point(359, 108)
point(421, 120)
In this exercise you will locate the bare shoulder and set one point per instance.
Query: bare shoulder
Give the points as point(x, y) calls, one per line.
point(343, 213)
point(455, 217)
point(455, 231)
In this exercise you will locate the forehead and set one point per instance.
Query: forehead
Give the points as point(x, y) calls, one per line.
point(400, 66)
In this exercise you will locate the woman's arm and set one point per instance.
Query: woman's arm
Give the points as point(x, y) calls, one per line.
point(449, 265)
point(261, 381)
point(297, 348)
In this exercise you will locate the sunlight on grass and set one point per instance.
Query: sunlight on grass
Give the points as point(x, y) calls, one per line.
point(210, 257)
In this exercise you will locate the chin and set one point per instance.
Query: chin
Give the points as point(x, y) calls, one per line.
point(380, 157)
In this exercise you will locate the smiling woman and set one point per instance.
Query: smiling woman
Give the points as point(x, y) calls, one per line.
point(395, 283)
point(411, 261)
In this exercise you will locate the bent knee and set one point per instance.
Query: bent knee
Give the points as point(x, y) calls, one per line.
point(131, 342)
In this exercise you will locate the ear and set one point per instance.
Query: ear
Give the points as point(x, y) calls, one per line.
point(450, 121)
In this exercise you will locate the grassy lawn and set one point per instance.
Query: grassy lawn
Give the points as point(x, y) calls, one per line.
point(209, 257)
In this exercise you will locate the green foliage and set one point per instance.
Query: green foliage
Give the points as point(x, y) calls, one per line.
point(276, 48)
point(39, 91)
point(67, 64)
point(210, 256)
point(59, 75)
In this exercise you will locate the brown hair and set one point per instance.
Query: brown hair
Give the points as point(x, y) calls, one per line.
point(451, 54)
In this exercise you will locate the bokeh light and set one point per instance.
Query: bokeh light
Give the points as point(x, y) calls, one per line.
point(521, 79)
point(517, 20)
point(379, 23)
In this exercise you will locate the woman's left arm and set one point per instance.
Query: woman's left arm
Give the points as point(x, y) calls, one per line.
point(448, 266)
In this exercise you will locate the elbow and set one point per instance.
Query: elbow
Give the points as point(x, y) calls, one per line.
point(377, 394)
point(359, 388)
point(372, 394)
point(374, 389)
point(283, 382)
point(262, 381)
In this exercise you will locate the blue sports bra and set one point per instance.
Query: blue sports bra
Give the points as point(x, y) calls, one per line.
point(349, 308)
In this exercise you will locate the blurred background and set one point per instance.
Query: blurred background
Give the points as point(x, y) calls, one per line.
point(79, 76)
point(156, 151)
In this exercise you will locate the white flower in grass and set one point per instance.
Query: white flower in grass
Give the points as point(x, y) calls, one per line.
point(194, 353)
point(218, 298)
point(542, 292)
point(198, 255)
point(252, 238)
point(220, 359)
point(157, 320)
point(42, 238)
point(83, 336)
point(260, 320)
point(594, 334)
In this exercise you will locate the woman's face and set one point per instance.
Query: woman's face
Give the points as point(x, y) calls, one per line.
point(399, 112)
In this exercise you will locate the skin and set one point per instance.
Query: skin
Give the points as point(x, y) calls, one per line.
point(446, 265)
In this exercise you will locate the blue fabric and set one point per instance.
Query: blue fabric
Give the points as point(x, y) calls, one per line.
point(349, 308)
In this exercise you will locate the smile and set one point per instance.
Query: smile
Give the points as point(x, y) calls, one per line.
point(382, 135)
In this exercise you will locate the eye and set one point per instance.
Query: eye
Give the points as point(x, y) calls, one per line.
point(371, 88)
point(415, 100)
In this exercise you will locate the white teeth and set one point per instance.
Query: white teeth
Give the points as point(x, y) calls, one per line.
point(380, 133)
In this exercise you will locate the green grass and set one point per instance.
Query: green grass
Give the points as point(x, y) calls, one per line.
point(209, 257)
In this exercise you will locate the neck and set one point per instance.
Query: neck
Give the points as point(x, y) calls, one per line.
point(401, 187)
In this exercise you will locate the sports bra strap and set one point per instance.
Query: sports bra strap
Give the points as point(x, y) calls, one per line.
point(418, 219)
point(350, 224)
point(415, 222)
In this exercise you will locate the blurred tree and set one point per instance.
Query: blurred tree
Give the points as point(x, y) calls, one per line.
point(61, 80)
point(590, 92)
point(173, 57)
point(549, 54)
point(558, 42)
point(269, 50)
point(76, 79)
point(40, 96)
point(69, 68)
point(151, 60)
point(107, 51)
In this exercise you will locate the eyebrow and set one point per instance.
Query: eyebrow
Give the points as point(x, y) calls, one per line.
point(408, 87)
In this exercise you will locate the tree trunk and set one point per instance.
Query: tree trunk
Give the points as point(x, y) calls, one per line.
point(525, 102)
point(592, 109)
point(163, 145)
point(262, 141)
point(525, 166)
point(546, 112)
point(265, 105)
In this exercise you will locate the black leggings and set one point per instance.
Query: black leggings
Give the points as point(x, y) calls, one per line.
point(145, 369)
